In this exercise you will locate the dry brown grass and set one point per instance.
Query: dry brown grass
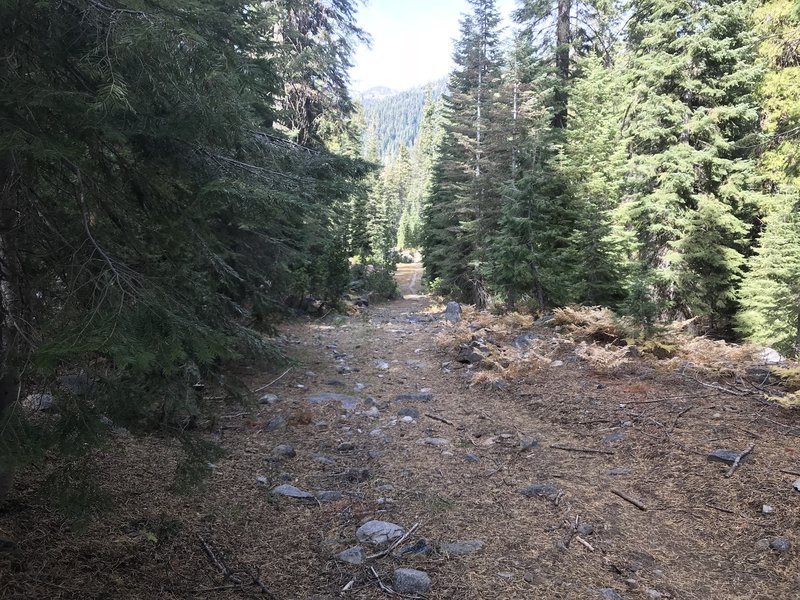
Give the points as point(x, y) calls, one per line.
point(603, 358)
point(591, 322)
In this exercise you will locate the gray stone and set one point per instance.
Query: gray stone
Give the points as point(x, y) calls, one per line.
point(414, 397)
point(356, 475)
point(347, 402)
point(726, 456)
point(268, 399)
point(411, 581)
point(768, 356)
point(323, 459)
point(471, 355)
point(291, 492)
point(557, 363)
point(618, 471)
point(40, 402)
point(615, 437)
point(523, 342)
point(335, 383)
point(359, 387)
point(420, 548)
point(329, 496)
point(452, 312)
point(471, 457)
point(353, 556)
point(381, 365)
point(372, 412)
point(528, 444)
point(796, 485)
point(541, 489)
point(264, 480)
point(585, 529)
point(407, 419)
point(609, 594)
point(432, 441)
point(378, 533)
point(461, 548)
point(275, 423)
point(346, 447)
point(408, 411)
point(283, 451)
point(780, 544)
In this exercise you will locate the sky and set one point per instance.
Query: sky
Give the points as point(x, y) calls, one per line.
point(412, 41)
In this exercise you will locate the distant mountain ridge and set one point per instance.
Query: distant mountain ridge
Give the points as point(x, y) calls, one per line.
point(394, 117)
point(375, 94)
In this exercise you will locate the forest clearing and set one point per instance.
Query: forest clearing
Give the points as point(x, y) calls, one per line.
point(422, 448)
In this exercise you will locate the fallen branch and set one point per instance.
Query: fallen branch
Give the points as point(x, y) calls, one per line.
point(395, 545)
point(587, 450)
point(263, 387)
point(739, 459)
point(580, 540)
point(678, 416)
point(440, 419)
point(627, 498)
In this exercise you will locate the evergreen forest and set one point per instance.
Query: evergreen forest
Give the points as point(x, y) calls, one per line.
point(178, 177)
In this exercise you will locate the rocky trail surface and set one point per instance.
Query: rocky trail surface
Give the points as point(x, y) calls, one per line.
point(374, 470)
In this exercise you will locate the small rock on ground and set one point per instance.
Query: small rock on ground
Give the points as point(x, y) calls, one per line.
point(421, 547)
point(610, 594)
point(268, 399)
point(283, 451)
point(354, 555)
point(41, 402)
point(408, 412)
point(726, 456)
point(780, 544)
point(452, 312)
point(432, 441)
point(292, 492)
point(541, 489)
point(347, 402)
point(275, 423)
point(411, 581)
point(471, 457)
point(378, 533)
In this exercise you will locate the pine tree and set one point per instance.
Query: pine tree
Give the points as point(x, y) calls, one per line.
point(770, 293)
point(463, 208)
point(154, 223)
point(594, 162)
point(690, 182)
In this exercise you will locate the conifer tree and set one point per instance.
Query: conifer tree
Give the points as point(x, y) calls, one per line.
point(770, 292)
point(690, 181)
point(464, 206)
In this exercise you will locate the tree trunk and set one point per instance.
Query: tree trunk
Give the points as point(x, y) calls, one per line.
point(563, 41)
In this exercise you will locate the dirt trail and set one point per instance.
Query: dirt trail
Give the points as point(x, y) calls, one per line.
point(702, 535)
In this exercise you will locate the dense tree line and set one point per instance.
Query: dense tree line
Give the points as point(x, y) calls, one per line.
point(173, 176)
point(638, 154)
